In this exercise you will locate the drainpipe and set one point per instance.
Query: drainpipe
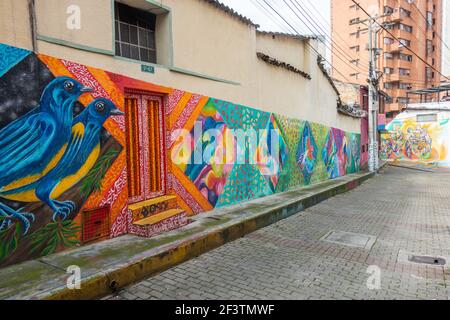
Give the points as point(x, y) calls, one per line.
point(33, 28)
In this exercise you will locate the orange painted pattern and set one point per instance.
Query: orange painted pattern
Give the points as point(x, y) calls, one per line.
point(58, 69)
point(194, 116)
point(179, 108)
point(192, 189)
point(184, 206)
point(116, 96)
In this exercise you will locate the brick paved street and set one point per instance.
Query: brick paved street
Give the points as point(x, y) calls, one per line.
point(406, 210)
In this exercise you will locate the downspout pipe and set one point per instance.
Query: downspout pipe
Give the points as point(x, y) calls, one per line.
point(33, 25)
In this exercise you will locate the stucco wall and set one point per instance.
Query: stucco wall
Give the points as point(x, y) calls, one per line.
point(206, 41)
point(103, 150)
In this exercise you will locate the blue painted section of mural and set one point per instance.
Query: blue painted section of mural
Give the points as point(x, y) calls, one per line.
point(307, 153)
point(10, 56)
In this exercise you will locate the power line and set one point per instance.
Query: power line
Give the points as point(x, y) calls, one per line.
point(358, 70)
point(393, 36)
point(331, 28)
point(307, 43)
point(437, 33)
point(267, 13)
point(319, 28)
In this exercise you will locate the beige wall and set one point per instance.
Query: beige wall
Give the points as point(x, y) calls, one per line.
point(206, 41)
point(14, 23)
point(96, 27)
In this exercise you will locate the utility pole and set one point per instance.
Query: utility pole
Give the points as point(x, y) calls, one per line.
point(373, 99)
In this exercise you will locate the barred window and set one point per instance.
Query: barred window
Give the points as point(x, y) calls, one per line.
point(135, 33)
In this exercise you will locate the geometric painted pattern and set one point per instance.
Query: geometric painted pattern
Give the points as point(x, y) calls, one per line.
point(304, 153)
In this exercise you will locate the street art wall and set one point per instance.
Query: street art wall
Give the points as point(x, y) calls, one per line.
point(427, 142)
point(65, 153)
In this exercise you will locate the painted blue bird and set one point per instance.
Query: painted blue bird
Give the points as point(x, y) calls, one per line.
point(80, 156)
point(33, 144)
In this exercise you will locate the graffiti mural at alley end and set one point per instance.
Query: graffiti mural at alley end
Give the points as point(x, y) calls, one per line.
point(427, 142)
point(86, 154)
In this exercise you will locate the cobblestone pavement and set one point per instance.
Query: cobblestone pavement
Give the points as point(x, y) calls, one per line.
point(406, 210)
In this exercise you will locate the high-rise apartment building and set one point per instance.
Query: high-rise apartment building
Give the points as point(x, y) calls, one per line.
point(417, 24)
point(446, 38)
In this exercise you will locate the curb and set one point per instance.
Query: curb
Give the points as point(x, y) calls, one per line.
point(111, 281)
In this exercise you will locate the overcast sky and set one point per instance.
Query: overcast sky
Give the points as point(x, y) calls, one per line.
point(319, 10)
point(312, 17)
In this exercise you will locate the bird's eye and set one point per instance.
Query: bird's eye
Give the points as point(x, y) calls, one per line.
point(68, 85)
point(100, 106)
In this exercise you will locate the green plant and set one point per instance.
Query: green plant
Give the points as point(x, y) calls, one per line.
point(9, 239)
point(54, 237)
point(92, 181)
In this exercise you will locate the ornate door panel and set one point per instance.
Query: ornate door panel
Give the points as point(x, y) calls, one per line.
point(145, 147)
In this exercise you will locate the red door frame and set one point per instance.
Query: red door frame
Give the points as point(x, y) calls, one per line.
point(144, 147)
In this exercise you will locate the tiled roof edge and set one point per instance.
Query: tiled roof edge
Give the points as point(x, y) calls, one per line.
point(264, 57)
point(231, 12)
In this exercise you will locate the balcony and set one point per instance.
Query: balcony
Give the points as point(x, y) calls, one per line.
point(393, 48)
point(393, 77)
point(403, 64)
point(394, 107)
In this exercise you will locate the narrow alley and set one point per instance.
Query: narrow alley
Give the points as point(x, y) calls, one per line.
point(403, 212)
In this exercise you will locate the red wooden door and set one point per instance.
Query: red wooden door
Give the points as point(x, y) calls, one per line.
point(145, 147)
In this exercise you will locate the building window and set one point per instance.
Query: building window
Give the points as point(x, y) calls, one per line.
point(405, 57)
point(404, 72)
point(402, 100)
point(404, 43)
point(430, 47)
point(405, 27)
point(429, 19)
point(388, 40)
point(388, 10)
point(427, 118)
point(354, 21)
point(135, 33)
point(405, 86)
point(356, 48)
point(429, 73)
point(388, 70)
point(389, 85)
point(388, 56)
point(405, 13)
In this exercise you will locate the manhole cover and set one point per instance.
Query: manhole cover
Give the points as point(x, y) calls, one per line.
point(436, 261)
point(350, 239)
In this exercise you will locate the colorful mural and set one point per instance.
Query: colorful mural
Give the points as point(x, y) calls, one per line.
point(412, 141)
point(64, 152)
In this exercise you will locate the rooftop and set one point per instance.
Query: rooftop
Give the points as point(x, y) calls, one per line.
point(432, 106)
point(231, 12)
point(442, 88)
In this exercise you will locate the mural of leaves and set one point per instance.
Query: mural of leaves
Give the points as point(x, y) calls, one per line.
point(92, 182)
point(9, 240)
point(54, 237)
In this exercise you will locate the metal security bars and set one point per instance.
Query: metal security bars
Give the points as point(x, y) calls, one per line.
point(135, 33)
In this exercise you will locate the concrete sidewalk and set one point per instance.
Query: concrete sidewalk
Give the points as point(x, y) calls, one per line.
point(113, 264)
